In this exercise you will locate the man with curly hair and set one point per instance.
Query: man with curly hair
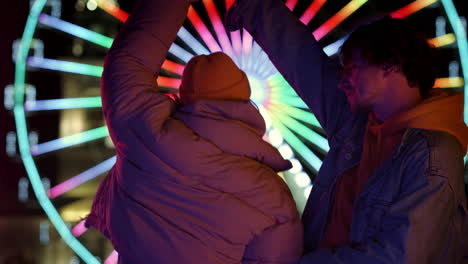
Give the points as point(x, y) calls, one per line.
point(391, 187)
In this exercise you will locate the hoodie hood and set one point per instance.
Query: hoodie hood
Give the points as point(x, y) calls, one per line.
point(443, 111)
point(236, 127)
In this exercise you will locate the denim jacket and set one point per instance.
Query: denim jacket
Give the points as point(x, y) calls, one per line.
point(413, 209)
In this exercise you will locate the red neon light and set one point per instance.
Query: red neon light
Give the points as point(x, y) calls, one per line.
point(168, 82)
point(411, 8)
point(173, 67)
point(291, 4)
point(312, 11)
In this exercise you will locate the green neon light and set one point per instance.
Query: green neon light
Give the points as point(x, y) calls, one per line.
point(462, 44)
point(23, 143)
point(297, 144)
point(299, 114)
point(295, 101)
point(304, 131)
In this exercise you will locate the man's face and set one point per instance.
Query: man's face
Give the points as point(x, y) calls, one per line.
point(362, 83)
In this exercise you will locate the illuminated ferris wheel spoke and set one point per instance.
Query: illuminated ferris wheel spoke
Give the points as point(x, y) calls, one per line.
point(65, 66)
point(334, 48)
point(194, 44)
point(291, 4)
point(294, 101)
point(412, 8)
point(311, 11)
point(60, 104)
point(444, 40)
point(202, 30)
point(299, 114)
point(252, 64)
point(449, 82)
point(69, 141)
point(180, 52)
point(310, 135)
point(111, 8)
point(339, 17)
point(75, 30)
point(236, 42)
point(173, 67)
point(173, 83)
point(218, 27)
point(113, 258)
point(298, 146)
point(79, 229)
point(81, 178)
point(247, 41)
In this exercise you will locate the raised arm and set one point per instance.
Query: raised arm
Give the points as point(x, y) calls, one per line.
point(296, 54)
point(129, 89)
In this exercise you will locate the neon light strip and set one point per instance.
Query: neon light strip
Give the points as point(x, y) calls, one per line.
point(202, 30)
point(79, 229)
point(65, 66)
point(299, 114)
point(180, 53)
point(59, 104)
point(113, 10)
point(291, 4)
point(194, 44)
point(75, 30)
point(69, 141)
point(295, 101)
point(112, 258)
point(297, 144)
point(302, 130)
point(333, 48)
point(450, 82)
point(411, 8)
point(444, 40)
point(339, 17)
point(462, 44)
point(173, 67)
point(218, 26)
point(168, 82)
point(23, 142)
point(247, 41)
point(229, 3)
point(311, 11)
point(81, 178)
point(236, 42)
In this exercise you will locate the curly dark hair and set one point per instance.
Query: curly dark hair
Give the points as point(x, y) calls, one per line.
point(393, 42)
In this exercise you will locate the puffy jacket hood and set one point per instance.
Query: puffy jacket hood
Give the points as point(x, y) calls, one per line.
point(236, 127)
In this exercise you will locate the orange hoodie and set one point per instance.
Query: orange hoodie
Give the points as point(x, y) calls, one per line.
point(443, 111)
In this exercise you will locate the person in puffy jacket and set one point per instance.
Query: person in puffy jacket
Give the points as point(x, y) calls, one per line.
point(194, 182)
point(391, 188)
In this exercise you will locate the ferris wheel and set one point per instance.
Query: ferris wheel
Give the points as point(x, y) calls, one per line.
point(81, 148)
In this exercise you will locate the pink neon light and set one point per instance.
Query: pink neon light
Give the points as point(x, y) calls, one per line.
point(411, 8)
point(79, 229)
point(312, 11)
point(168, 82)
point(112, 258)
point(218, 26)
point(113, 10)
point(202, 30)
point(229, 3)
point(246, 42)
point(291, 4)
point(236, 42)
point(173, 67)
